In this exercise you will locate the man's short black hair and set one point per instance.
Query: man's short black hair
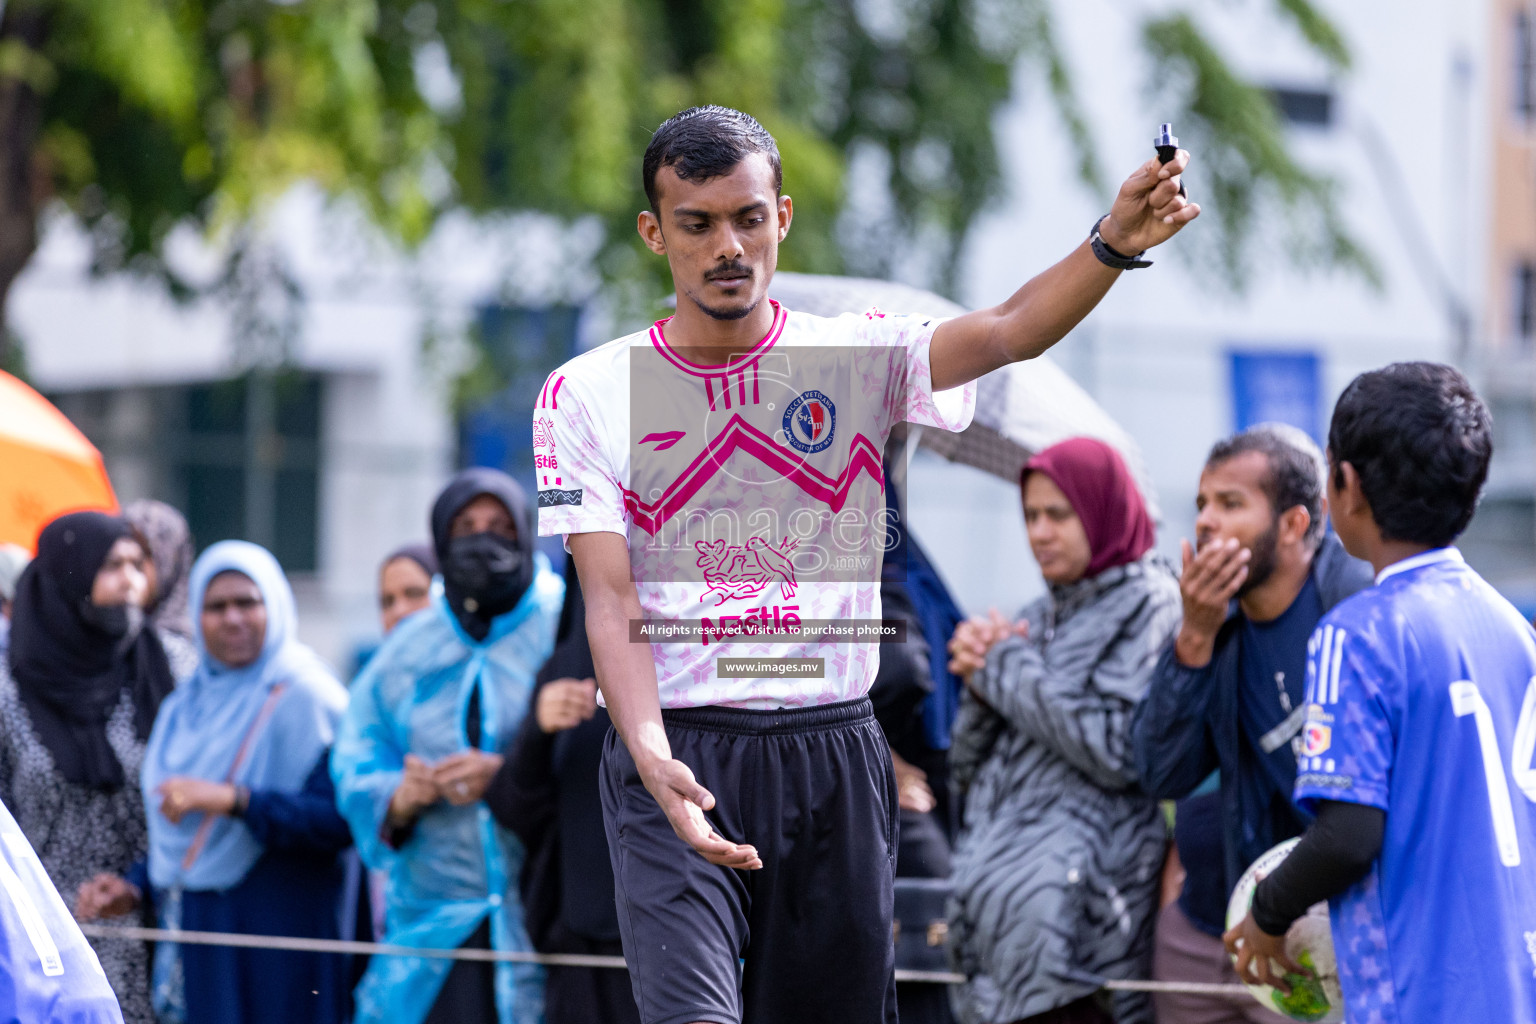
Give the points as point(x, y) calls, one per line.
point(1296, 468)
point(705, 142)
point(1420, 439)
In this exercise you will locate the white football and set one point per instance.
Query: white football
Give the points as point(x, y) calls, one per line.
point(1309, 943)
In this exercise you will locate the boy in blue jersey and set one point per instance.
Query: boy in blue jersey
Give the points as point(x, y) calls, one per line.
point(1421, 723)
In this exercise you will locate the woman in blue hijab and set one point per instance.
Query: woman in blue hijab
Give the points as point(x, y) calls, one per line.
point(415, 753)
point(243, 831)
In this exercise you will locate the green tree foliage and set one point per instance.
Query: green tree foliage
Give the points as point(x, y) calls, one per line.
point(140, 115)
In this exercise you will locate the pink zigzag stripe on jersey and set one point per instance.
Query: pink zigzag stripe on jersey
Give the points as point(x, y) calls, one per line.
point(740, 435)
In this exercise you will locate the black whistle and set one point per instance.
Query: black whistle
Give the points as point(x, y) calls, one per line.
point(1167, 148)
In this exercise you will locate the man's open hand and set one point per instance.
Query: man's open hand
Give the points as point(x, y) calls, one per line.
point(1149, 210)
point(1257, 953)
point(684, 802)
point(1210, 580)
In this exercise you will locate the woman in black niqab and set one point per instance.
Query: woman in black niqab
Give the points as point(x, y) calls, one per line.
point(484, 575)
point(73, 661)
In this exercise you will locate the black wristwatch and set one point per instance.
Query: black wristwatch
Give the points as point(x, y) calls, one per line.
point(1111, 258)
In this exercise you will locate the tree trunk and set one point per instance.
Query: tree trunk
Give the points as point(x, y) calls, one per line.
point(21, 191)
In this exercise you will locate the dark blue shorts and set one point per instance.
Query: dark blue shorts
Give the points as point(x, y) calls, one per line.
point(806, 938)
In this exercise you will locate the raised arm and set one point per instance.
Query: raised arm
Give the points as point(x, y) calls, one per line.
point(626, 674)
point(1147, 211)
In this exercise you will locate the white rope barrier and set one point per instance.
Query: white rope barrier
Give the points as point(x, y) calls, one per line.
point(299, 945)
point(1194, 988)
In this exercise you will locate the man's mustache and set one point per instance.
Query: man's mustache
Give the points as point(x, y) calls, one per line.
point(729, 270)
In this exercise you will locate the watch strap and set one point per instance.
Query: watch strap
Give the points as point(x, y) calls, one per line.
point(1109, 257)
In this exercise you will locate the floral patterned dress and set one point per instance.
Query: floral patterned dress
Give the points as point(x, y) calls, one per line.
point(79, 832)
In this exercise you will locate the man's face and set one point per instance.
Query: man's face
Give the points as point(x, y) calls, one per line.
point(1232, 503)
point(721, 237)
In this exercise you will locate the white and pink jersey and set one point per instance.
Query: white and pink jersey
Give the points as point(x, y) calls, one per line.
point(752, 495)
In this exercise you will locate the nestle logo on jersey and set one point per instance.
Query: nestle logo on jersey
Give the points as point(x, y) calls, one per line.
point(809, 422)
point(552, 496)
point(546, 462)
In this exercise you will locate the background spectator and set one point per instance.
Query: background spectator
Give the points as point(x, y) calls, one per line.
point(405, 583)
point(546, 792)
point(902, 688)
point(244, 834)
point(1057, 868)
point(1228, 692)
point(414, 759)
point(78, 698)
point(168, 542)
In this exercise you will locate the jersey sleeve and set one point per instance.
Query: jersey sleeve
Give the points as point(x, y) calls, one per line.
point(1346, 744)
point(913, 398)
point(579, 489)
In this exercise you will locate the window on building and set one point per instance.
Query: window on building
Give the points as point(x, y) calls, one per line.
point(1270, 386)
point(241, 457)
point(1308, 108)
point(1523, 320)
point(1524, 70)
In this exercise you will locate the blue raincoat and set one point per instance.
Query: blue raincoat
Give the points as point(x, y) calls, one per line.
point(458, 866)
point(47, 970)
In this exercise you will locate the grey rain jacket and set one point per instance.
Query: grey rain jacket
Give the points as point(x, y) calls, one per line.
point(1056, 871)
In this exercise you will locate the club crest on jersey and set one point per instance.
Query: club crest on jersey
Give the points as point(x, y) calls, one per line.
point(1316, 738)
point(809, 422)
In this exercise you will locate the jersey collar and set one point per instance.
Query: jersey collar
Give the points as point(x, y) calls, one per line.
point(739, 363)
point(1416, 561)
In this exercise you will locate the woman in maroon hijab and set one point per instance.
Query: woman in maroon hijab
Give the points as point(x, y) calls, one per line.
point(1056, 868)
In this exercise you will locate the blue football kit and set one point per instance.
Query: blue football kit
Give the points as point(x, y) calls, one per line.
point(1421, 701)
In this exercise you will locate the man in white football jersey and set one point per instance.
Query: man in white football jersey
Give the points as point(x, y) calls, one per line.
point(718, 480)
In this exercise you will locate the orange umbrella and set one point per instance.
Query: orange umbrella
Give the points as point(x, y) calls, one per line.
point(47, 467)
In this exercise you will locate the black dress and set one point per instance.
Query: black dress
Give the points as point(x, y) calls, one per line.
point(547, 794)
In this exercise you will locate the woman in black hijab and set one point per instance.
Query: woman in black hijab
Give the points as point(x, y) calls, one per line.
point(78, 696)
point(485, 571)
point(420, 742)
